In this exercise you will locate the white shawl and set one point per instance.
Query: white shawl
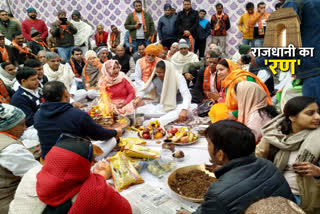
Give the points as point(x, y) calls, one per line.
point(170, 86)
point(84, 32)
point(7, 78)
point(179, 61)
point(64, 74)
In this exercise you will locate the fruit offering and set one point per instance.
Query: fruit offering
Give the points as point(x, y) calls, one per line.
point(152, 131)
point(181, 135)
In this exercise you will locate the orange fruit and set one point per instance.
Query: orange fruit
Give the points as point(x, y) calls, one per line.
point(158, 135)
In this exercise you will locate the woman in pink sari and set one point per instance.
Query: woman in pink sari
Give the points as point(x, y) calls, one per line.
point(119, 87)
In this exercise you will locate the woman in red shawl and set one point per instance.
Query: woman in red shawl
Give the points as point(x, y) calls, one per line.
point(66, 185)
point(119, 87)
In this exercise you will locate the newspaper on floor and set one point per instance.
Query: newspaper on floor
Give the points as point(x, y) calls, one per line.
point(146, 199)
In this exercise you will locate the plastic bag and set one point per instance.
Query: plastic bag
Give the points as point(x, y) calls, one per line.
point(136, 151)
point(138, 164)
point(123, 173)
point(161, 166)
point(131, 141)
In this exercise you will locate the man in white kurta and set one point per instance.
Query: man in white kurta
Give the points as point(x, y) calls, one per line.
point(174, 97)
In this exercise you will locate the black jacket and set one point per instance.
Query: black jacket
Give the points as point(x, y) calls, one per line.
point(55, 118)
point(124, 62)
point(242, 182)
point(187, 22)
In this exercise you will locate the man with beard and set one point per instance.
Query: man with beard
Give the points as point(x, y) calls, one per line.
point(146, 65)
point(84, 31)
point(126, 61)
point(7, 26)
point(207, 86)
point(33, 22)
point(103, 54)
point(18, 51)
point(141, 26)
point(4, 56)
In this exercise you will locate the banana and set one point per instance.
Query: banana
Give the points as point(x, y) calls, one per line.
point(178, 137)
point(190, 137)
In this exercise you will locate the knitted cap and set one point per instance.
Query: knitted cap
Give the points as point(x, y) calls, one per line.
point(10, 116)
point(100, 49)
point(31, 9)
point(34, 32)
point(183, 44)
point(77, 13)
point(167, 6)
point(243, 49)
point(89, 54)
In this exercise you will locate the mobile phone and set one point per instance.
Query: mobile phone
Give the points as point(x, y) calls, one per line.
point(63, 21)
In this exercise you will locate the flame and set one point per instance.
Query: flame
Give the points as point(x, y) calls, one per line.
point(105, 103)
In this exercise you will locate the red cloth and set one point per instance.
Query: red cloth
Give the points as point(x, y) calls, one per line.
point(101, 38)
point(122, 90)
point(37, 24)
point(65, 174)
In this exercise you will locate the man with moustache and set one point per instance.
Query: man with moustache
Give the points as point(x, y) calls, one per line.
point(37, 24)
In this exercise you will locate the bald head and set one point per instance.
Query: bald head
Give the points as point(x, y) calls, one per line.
point(120, 50)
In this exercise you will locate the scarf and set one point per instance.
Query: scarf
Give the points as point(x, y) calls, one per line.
point(4, 95)
point(237, 75)
point(171, 82)
point(250, 98)
point(251, 16)
point(106, 80)
point(7, 78)
point(23, 50)
point(91, 75)
point(306, 141)
point(115, 39)
point(147, 68)
point(63, 74)
point(84, 32)
point(260, 23)
point(135, 17)
point(43, 44)
point(66, 174)
point(207, 82)
point(219, 21)
point(74, 67)
point(64, 29)
point(4, 54)
point(178, 60)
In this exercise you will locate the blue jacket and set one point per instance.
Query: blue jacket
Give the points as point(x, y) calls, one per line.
point(167, 27)
point(28, 103)
point(242, 182)
point(203, 29)
point(55, 118)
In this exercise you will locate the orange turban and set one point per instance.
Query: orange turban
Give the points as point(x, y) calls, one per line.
point(152, 49)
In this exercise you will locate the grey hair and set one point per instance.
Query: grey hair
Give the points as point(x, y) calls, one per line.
point(42, 51)
point(51, 55)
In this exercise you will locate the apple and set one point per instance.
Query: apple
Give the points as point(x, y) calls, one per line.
point(184, 139)
point(174, 130)
point(146, 136)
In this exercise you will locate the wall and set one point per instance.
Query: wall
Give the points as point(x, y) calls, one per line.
point(108, 12)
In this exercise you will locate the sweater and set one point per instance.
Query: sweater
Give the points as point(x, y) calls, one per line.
point(242, 25)
point(124, 62)
point(16, 57)
point(167, 27)
point(203, 32)
point(104, 38)
point(187, 21)
point(38, 25)
point(130, 25)
point(123, 91)
point(241, 182)
point(28, 103)
point(55, 118)
point(68, 39)
point(11, 28)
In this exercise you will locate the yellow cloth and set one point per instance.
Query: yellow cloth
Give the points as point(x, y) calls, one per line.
point(218, 112)
point(242, 26)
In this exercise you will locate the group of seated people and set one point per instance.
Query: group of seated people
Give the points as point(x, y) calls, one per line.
point(45, 93)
